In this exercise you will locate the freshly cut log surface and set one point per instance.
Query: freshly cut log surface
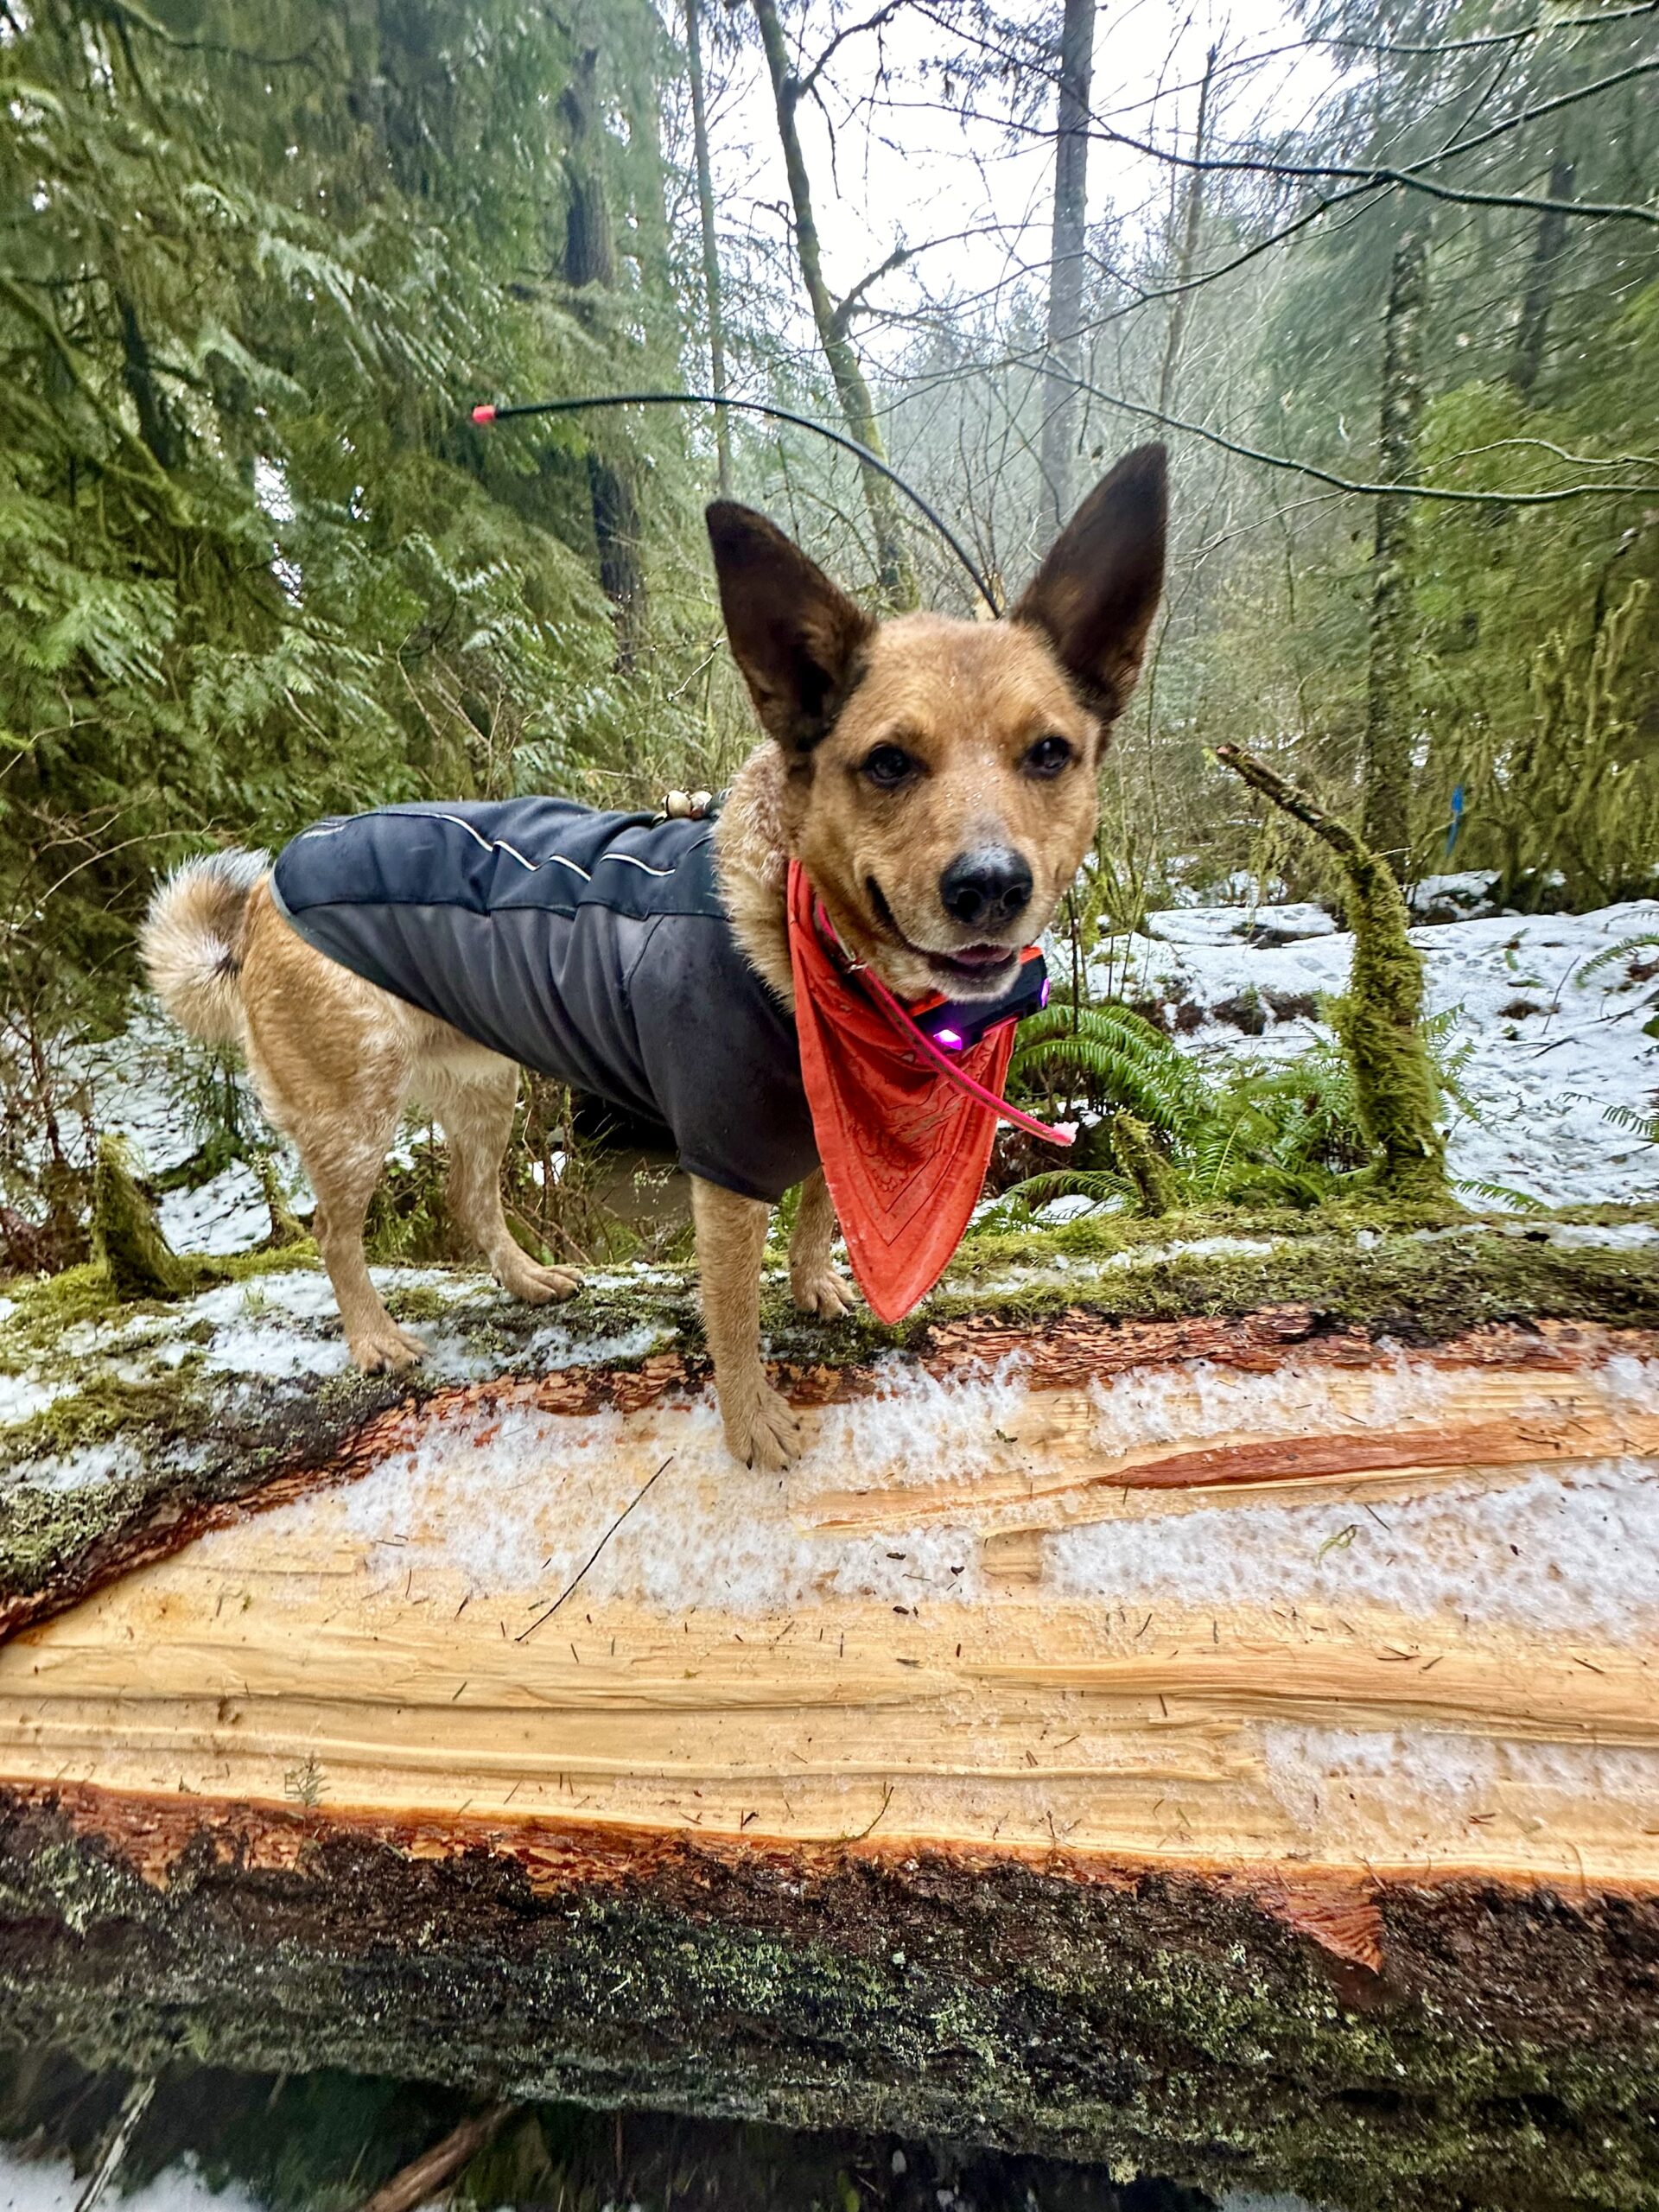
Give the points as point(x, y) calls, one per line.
point(1326, 1603)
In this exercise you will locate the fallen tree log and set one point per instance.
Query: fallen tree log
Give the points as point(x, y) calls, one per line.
point(1153, 1722)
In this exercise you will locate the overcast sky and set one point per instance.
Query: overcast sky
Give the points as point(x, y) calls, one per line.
point(907, 170)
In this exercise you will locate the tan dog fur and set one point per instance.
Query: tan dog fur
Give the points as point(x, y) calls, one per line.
point(336, 1060)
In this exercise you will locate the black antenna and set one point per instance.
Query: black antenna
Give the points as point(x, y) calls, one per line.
point(506, 411)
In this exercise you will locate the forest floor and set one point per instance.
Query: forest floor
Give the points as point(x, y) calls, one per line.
point(1540, 1057)
point(1539, 1053)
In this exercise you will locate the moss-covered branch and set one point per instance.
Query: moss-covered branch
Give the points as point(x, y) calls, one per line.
point(1378, 1018)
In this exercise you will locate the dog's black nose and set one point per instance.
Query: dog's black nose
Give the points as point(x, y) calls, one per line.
point(986, 889)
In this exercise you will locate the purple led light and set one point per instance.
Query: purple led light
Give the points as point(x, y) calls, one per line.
point(1043, 998)
point(949, 1038)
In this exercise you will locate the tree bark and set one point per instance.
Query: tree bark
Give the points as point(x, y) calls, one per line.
point(590, 267)
point(157, 421)
point(1284, 2031)
point(1066, 262)
point(1547, 246)
point(711, 286)
point(833, 320)
point(1386, 824)
point(1192, 226)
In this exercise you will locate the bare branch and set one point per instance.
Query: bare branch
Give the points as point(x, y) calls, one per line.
point(876, 22)
point(1435, 51)
point(1444, 493)
point(851, 300)
point(1409, 178)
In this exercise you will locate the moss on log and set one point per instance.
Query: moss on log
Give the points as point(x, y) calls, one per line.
point(127, 1234)
point(1139, 1157)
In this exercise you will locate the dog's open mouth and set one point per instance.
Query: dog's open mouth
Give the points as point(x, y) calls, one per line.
point(979, 963)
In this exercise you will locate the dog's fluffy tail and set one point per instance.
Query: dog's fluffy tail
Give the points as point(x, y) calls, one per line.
point(191, 942)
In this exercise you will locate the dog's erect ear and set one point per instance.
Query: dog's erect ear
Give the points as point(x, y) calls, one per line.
point(1095, 595)
point(797, 637)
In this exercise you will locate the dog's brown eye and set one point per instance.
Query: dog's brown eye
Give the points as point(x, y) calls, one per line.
point(889, 765)
point(1048, 756)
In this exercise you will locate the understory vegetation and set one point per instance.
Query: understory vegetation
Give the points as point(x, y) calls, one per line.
point(1388, 284)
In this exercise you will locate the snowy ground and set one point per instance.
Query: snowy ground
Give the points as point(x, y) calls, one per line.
point(1547, 1055)
point(49, 2185)
point(139, 1086)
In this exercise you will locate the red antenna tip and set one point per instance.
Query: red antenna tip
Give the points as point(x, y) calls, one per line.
point(485, 414)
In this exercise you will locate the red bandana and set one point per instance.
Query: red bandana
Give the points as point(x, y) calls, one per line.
point(904, 1150)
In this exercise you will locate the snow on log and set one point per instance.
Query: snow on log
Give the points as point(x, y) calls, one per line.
point(1255, 1680)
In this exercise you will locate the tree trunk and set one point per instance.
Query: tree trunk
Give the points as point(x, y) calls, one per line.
point(896, 573)
point(1108, 1772)
point(1067, 259)
point(710, 247)
point(1389, 721)
point(590, 266)
point(157, 421)
point(1186, 263)
point(1533, 326)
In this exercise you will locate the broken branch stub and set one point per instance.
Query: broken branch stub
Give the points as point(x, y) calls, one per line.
point(127, 1234)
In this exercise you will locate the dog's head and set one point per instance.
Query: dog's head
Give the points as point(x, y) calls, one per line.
point(941, 783)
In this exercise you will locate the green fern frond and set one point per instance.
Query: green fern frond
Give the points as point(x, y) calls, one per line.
point(1098, 1184)
point(1646, 1126)
point(1135, 1063)
point(1609, 953)
point(1499, 1194)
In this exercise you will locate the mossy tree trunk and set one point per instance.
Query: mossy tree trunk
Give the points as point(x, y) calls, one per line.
point(590, 268)
point(711, 286)
point(1067, 255)
point(1549, 244)
point(1191, 227)
point(1386, 805)
point(1379, 1017)
point(127, 1233)
point(1138, 1157)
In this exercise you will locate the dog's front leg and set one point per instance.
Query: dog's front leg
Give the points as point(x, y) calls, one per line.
point(817, 1288)
point(760, 1429)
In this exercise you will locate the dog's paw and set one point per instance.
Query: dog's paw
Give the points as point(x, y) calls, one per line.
point(761, 1429)
point(385, 1348)
point(824, 1294)
point(534, 1284)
